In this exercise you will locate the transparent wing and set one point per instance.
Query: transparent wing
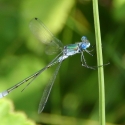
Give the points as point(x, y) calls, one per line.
point(47, 90)
point(53, 45)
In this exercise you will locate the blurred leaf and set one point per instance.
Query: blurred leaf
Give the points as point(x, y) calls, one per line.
point(9, 117)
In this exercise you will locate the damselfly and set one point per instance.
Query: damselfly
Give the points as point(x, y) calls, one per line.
point(53, 45)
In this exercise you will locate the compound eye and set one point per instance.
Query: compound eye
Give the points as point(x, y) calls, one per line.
point(83, 38)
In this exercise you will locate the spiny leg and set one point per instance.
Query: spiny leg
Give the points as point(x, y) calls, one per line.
point(83, 60)
point(89, 52)
point(91, 67)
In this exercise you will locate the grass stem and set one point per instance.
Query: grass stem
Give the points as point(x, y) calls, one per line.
point(100, 62)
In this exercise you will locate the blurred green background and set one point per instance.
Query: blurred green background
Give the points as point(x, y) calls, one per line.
point(75, 92)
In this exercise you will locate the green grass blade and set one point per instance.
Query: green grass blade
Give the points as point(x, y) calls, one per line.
point(100, 62)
